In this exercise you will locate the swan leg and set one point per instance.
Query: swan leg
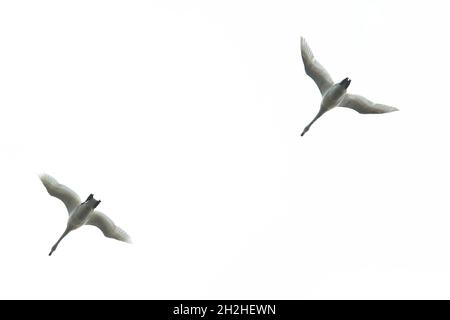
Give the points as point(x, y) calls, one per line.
point(59, 240)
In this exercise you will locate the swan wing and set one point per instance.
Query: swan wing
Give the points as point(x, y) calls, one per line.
point(314, 69)
point(107, 226)
point(363, 105)
point(70, 199)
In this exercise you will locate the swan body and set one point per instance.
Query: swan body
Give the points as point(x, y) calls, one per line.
point(81, 213)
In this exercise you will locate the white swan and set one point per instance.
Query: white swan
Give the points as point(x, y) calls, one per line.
point(81, 213)
point(335, 94)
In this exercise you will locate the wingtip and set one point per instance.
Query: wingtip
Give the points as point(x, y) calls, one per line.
point(44, 177)
point(305, 50)
point(393, 109)
point(302, 41)
point(129, 241)
point(124, 237)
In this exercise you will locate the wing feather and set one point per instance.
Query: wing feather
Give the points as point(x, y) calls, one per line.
point(107, 226)
point(70, 199)
point(363, 105)
point(314, 69)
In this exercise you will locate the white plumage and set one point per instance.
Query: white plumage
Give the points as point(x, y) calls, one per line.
point(81, 213)
point(335, 94)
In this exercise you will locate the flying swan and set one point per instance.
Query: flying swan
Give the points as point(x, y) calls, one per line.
point(335, 94)
point(81, 213)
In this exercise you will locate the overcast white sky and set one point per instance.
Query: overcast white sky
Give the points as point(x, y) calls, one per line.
point(185, 120)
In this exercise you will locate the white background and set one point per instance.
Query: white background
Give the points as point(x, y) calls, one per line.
point(185, 120)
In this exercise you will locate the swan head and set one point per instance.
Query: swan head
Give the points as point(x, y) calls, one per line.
point(345, 83)
point(91, 201)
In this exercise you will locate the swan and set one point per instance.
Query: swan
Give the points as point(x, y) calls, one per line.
point(335, 94)
point(81, 213)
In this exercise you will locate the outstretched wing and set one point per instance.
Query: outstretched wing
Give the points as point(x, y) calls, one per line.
point(107, 226)
point(363, 105)
point(70, 199)
point(314, 69)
